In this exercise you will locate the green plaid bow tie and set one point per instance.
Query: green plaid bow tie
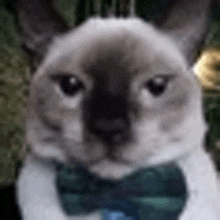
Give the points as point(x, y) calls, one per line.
point(155, 193)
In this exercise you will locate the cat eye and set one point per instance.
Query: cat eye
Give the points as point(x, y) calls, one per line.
point(70, 85)
point(157, 85)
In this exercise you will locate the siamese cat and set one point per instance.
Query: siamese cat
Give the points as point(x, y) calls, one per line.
point(115, 94)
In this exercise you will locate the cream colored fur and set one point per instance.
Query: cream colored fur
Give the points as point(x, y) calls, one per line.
point(170, 129)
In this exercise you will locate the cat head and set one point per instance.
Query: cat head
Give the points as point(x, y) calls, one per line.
point(114, 92)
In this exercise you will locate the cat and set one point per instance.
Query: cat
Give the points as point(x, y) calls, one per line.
point(116, 95)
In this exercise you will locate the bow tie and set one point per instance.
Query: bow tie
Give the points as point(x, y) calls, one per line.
point(154, 193)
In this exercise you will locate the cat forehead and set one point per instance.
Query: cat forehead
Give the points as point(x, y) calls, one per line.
point(121, 43)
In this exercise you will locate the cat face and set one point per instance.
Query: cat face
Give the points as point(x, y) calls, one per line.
point(116, 91)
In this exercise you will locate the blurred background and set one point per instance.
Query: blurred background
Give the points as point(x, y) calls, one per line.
point(16, 72)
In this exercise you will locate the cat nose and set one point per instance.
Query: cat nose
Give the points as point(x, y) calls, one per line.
point(112, 130)
point(110, 125)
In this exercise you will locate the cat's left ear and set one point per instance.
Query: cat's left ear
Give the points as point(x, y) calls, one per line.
point(188, 22)
point(39, 23)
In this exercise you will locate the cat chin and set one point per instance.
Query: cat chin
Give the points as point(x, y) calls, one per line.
point(111, 170)
point(116, 169)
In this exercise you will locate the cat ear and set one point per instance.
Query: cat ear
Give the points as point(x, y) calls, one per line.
point(187, 21)
point(39, 22)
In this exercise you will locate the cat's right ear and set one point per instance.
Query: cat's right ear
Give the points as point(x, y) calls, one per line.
point(187, 21)
point(39, 23)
